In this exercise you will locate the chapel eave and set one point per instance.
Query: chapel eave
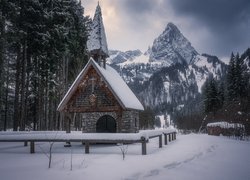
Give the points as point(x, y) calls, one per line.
point(107, 75)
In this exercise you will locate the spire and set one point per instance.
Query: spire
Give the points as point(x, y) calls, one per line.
point(97, 43)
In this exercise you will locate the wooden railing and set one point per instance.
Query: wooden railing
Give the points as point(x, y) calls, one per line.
point(90, 138)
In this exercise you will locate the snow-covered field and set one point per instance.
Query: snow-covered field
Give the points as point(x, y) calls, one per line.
point(189, 157)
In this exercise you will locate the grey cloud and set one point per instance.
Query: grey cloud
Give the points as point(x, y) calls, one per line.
point(212, 26)
point(227, 20)
point(138, 7)
point(139, 13)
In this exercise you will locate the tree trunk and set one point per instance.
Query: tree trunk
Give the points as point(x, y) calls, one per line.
point(6, 98)
point(2, 59)
point(17, 91)
point(23, 88)
point(35, 91)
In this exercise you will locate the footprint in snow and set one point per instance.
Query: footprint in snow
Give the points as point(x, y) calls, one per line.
point(211, 148)
point(134, 177)
point(189, 159)
point(172, 165)
point(194, 157)
point(154, 172)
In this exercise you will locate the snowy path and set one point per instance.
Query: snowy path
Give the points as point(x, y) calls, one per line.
point(216, 158)
point(189, 157)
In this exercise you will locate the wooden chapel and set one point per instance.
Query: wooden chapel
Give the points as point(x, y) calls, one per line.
point(104, 101)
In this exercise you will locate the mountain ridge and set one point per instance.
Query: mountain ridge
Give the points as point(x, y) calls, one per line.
point(171, 72)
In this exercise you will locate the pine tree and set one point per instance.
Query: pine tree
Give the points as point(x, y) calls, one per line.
point(236, 80)
point(231, 84)
point(43, 39)
point(7, 9)
point(76, 45)
point(221, 94)
point(147, 118)
point(238, 76)
point(211, 96)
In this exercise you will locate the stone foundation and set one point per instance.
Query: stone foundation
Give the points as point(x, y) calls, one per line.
point(127, 123)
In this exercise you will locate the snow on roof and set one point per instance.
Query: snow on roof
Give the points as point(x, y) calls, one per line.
point(120, 89)
point(225, 125)
point(97, 38)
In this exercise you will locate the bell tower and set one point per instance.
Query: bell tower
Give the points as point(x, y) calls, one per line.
point(97, 43)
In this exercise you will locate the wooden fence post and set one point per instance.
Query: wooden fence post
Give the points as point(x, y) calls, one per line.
point(144, 146)
point(86, 147)
point(160, 141)
point(67, 144)
point(32, 147)
point(165, 139)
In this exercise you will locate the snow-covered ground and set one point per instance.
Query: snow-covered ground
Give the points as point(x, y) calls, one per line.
point(189, 157)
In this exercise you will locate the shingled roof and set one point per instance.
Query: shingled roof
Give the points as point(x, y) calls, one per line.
point(115, 83)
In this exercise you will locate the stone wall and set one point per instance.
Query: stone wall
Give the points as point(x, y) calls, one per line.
point(89, 120)
point(128, 123)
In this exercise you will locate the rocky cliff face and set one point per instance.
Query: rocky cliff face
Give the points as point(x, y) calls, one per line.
point(171, 46)
point(170, 73)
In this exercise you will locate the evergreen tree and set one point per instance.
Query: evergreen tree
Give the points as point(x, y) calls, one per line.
point(76, 45)
point(236, 79)
point(211, 96)
point(238, 76)
point(231, 84)
point(157, 122)
point(221, 94)
point(147, 118)
point(39, 45)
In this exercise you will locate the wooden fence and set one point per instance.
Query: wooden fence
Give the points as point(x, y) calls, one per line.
point(144, 139)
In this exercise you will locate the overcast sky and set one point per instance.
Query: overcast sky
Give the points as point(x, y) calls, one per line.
point(216, 27)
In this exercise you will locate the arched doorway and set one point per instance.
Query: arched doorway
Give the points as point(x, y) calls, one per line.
point(106, 124)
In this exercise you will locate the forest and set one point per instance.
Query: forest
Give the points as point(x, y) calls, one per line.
point(225, 99)
point(42, 49)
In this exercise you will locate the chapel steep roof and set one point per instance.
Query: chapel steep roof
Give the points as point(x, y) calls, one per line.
point(115, 83)
point(97, 42)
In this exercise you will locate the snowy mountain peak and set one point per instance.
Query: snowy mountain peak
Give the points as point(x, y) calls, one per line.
point(170, 72)
point(171, 27)
point(173, 47)
point(97, 37)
